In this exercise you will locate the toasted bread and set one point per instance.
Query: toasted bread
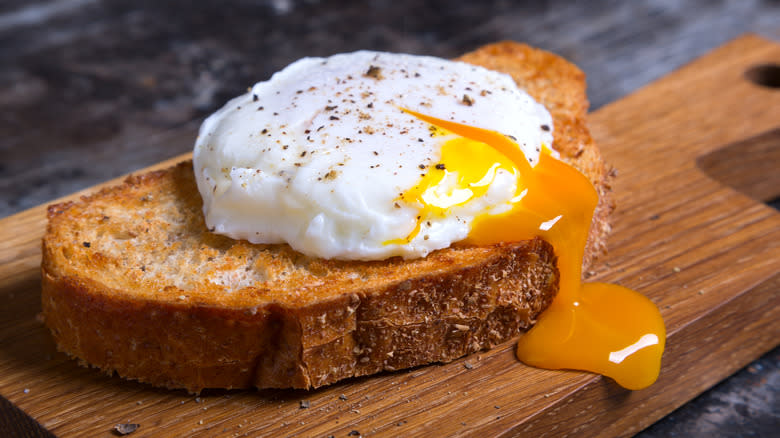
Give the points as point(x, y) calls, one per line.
point(134, 283)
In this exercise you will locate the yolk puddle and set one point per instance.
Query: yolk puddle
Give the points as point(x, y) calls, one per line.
point(598, 327)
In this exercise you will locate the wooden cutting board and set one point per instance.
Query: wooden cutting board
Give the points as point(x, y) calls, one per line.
point(697, 152)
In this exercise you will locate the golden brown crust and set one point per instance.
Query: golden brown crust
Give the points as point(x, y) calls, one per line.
point(133, 282)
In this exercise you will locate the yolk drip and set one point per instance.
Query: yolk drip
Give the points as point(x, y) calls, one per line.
point(598, 327)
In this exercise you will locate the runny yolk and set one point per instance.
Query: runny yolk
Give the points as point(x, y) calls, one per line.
point(598, 327)
point(465, 171)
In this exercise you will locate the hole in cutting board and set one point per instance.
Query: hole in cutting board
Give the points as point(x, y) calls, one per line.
point(767, 75)
point(748, 166)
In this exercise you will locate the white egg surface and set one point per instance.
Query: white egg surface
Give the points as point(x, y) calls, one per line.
point(332, 157)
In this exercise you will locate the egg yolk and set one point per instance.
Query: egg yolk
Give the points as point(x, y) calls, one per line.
point(598, 327)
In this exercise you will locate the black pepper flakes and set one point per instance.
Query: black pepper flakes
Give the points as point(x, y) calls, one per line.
point(255, 98)
point(373, 72)
point(260, 108)
point(264, 131)
point(354, 433)
point(331, 175)
point(86, 244)
point(421, 166)
point(330, 107)
point(545, 127)
point(440, 166)
point(333, 118)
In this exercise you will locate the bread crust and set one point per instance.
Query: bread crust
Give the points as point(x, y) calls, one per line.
point(134, 283)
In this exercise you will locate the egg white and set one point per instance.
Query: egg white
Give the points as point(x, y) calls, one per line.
point(318, 155)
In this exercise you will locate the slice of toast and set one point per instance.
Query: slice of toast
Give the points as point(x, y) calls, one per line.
point(134, 283)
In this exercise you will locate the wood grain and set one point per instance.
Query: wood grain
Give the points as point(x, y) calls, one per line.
point(706, 253)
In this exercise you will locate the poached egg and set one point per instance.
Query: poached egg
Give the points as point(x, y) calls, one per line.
point(330, 155)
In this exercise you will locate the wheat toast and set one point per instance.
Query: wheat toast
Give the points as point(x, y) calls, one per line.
point(134, 283)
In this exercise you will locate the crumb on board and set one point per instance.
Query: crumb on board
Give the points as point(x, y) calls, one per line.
point(126, 428)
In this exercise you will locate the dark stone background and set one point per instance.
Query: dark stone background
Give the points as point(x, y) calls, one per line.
point(90, 90)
